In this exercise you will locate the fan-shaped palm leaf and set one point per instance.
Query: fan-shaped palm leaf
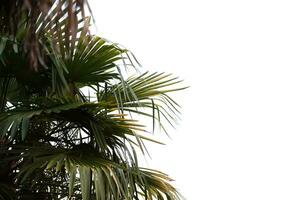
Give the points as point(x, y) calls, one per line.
point(58, 140)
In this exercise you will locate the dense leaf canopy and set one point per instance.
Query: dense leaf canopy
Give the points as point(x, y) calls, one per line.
point(69, 125)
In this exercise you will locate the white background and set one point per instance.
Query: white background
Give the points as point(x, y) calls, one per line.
point(239, 137)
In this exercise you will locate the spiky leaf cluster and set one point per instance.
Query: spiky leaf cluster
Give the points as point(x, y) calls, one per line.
point(69, 125)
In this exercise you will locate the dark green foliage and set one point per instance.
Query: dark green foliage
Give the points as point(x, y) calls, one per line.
point(67, 119)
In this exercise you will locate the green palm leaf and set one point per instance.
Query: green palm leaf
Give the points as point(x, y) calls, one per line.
point(70, 118)
point(123, 179)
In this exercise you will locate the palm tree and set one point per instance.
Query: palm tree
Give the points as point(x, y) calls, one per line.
point(68, 119)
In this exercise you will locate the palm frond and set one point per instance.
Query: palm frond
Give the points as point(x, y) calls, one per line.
point(112, 179)
point(69, 114)
point(148, 91)
point(31, 15)
point(6, 192)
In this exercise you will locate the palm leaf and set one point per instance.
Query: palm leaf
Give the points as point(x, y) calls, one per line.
point(68, 112)
point(124, 181)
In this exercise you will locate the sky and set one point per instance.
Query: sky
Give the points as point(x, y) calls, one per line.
point(239, 137)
